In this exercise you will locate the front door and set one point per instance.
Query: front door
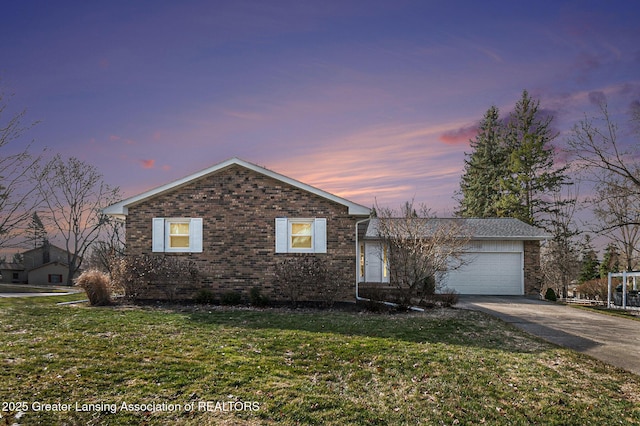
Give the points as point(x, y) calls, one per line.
point(375, 270)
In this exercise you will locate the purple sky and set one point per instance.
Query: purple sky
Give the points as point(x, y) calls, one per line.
point(367, 99)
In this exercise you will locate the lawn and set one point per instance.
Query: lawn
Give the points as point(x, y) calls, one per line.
point(74, 364)
point(23, 288)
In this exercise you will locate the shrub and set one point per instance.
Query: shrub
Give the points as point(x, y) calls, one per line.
point(550, 295)
point(296, 274)
point(595, 289)
point(231, 298)
point(96, 284)
point(133, 273)
point(256, 298)
point(204, 296)
point(448, 298)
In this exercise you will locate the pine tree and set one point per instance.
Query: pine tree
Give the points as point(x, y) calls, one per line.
point(610, 260)
point(483, 170)
point(37, 231)
point(530, 172)
point(589, 264)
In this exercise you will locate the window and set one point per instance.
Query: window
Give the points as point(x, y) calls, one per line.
point(301, 235)
point(179, 235)
point(385, 262)
point(55, 278)
point(362, 259)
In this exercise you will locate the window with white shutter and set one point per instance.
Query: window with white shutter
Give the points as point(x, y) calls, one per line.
point(301, 235)
point(177, 235)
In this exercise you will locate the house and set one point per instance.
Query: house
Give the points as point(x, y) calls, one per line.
point(236, 221)
point(12, 272)
point(502, 258)
point(44, 265)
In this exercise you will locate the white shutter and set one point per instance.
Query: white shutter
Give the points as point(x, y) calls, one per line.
point(157, 236)
point(195, 231)
point(282, 233)
point(320, 235)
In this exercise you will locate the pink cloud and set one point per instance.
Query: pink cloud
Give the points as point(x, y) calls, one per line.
point(114, 138)
point(460, 135)
point(148, 164)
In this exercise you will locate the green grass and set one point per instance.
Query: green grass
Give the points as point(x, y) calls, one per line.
point(296, 367)
point(23, 288)
point(629, 314)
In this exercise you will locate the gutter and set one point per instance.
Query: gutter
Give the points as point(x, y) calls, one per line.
point(364, 299)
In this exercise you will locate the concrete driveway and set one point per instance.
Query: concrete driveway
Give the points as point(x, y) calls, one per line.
point(610, 339)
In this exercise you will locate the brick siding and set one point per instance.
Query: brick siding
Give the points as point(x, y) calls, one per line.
point(532, 270)
point(239, 207)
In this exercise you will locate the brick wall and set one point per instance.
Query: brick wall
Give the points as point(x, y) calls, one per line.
point(532, 271)
point(239, 208)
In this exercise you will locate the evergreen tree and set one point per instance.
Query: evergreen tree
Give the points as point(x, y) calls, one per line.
point(610, 260)
point(589, 264)
point(530, 172)
point(483, 170)
point(37, 231)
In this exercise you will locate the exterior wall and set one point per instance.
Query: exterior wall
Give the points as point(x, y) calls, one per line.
point(40, 276)
point(532, 270)
point(7, 274)
point(239, 208)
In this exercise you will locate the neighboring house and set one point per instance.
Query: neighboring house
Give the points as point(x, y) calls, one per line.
point(11, 272)
point(44, 265)
point(503, 258)
point(237, 221)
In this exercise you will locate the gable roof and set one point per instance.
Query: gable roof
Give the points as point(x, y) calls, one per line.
point(120, 209)
point(480, 229)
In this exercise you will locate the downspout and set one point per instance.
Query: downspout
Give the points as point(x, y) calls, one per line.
point(364, 299)
point(358, 256)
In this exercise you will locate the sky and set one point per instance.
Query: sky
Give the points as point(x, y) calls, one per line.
point(374, 101)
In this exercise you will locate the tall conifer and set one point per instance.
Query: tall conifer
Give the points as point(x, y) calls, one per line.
point(531, 173)
point(511, 170)
point(483, 170)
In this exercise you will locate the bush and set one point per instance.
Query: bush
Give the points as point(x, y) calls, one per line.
point(550, 295)
point(296, 274)
point(133, 273)
point(256, 298)
point(594, 289)
point(204, 296)
point(231, 298)
point(448, 298)
point(96, 284)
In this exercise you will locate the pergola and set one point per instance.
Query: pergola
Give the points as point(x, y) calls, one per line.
point(625, 279)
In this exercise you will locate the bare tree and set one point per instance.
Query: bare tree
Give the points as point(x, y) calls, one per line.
point(18, 195)
point(559, 259)
point(617, 206)
point(420, 249)
point(109, 247)
point(599, 149)
point(74, 195)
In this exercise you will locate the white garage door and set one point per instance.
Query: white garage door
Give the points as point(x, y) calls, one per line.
point(489, 273)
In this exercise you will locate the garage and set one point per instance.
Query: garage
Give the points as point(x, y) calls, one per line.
point(494, 268)
point(503, 258)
